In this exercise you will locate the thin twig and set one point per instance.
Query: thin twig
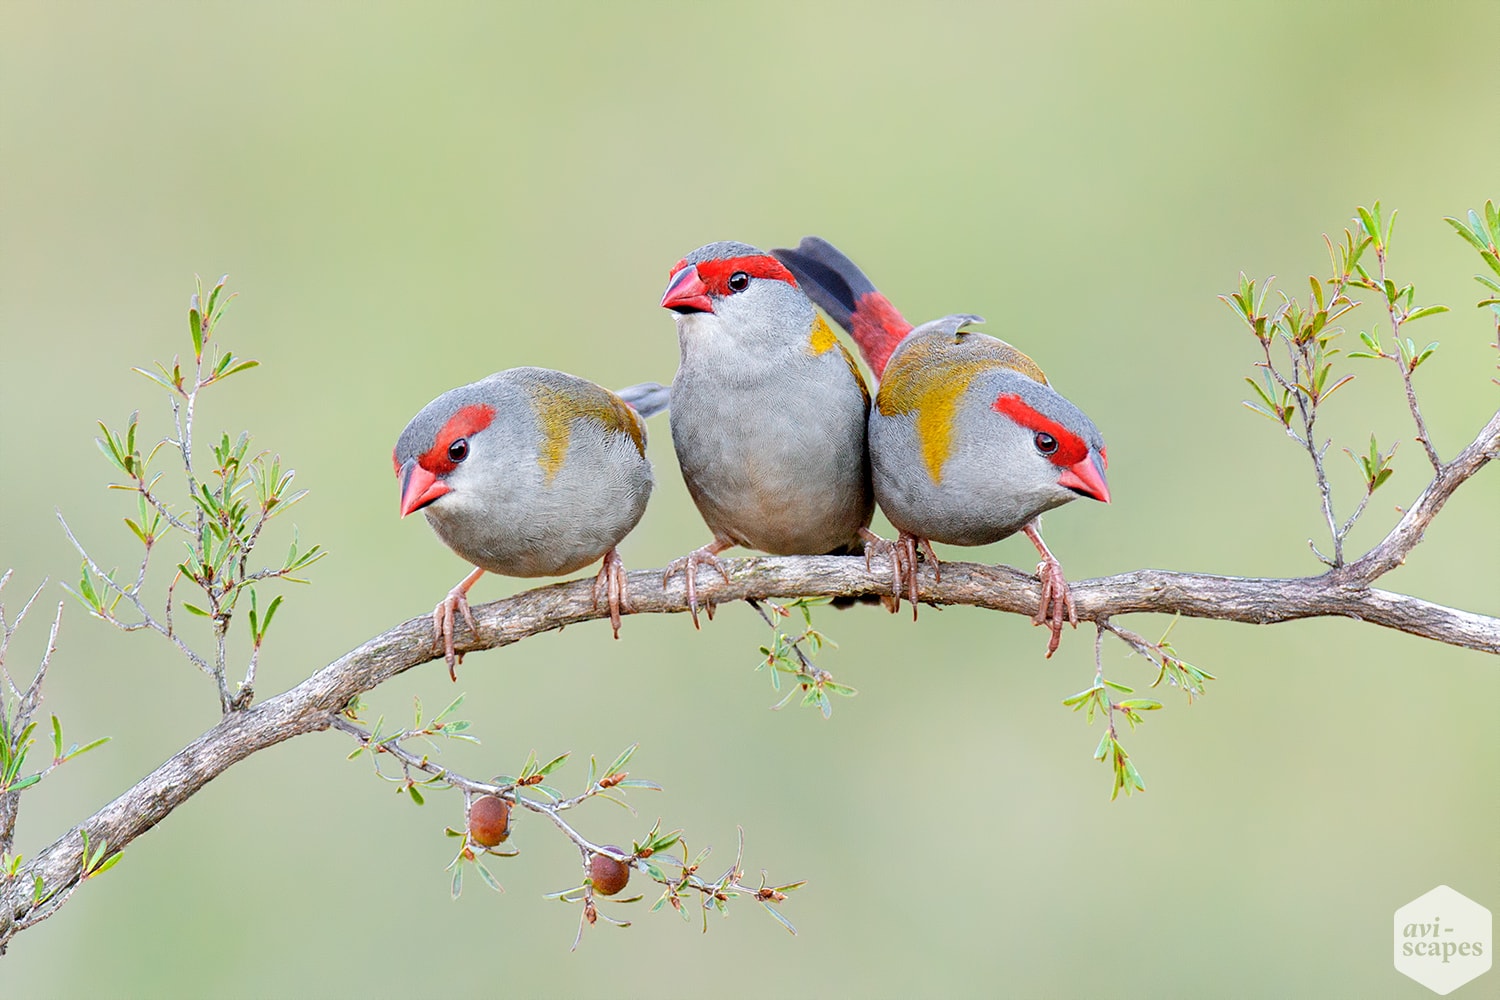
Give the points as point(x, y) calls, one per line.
point(1403, 365)
point(133, 596)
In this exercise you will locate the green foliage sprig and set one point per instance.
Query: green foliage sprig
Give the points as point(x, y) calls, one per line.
point(18, 708)
point(1483, 234)
point(531, 790)
point(1295, 383)
point(228, 507)
point(793, 655)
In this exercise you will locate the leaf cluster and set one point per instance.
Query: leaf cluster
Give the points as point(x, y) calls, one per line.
point(228, 506)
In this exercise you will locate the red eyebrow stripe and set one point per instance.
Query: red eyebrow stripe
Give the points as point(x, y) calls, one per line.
point(715, 273)
point(1071, 448)
point(469, 420)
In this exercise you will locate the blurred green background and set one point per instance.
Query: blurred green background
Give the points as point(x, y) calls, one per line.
point(408, 198)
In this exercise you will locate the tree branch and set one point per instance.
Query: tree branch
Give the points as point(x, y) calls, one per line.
point(1391, 552)
point(312, 705)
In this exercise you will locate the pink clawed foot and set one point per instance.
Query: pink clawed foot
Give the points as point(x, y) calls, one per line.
point(688, 566)
point(611, 582)
point(457, 602)
point(1056, 605)
point(906, 547)
point(903, 556)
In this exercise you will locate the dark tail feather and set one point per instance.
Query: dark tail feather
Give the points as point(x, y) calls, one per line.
point(648, 399)
point(849, 298)
point(828, 277)
point(848, 602)
point(852, 549)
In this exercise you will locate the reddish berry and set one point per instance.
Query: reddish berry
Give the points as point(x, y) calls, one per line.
point(489, 820)
point(609, 876)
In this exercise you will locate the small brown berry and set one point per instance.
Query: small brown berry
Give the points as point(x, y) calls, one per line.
point(609, 876)
point(489, 820)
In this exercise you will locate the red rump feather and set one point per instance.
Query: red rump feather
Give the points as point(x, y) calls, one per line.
point(877, 327)
point(470, 419)
point(1071, 449)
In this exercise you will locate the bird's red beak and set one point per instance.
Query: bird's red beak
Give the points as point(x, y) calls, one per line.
point(419, 487)
point(1087, 477)
point(686, 293)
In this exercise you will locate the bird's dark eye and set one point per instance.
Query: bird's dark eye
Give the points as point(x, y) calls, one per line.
point(1045, 443)
point(739, 281)
point(458, 450)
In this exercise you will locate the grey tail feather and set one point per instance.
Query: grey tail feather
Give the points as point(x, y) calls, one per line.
point(828, 277)
point(648, 398)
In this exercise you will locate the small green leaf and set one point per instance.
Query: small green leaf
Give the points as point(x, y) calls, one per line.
point(1471, 236)
point(107, 864)
point(80, 751)
point(56, 738)
point(213, 296)
point(529, 768)
point(270, 613)
point(783, 921)
point(195, 326)
point(86, 587)
point(242, 366)
point(1425, 311)
point(1338, 385)
point(554, 763)
point(452, 705)
point(489, 879)
point(1079, 698)
point(618, 764)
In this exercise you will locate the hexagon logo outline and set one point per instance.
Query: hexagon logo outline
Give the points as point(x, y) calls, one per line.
point(1443, 940)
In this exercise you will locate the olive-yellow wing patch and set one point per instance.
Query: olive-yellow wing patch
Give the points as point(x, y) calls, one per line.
point(558, 402)
point(929, 376)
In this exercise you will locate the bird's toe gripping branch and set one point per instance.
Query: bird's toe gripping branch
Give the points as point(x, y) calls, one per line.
point(1056, 605)
point(688, 566)
point(611, 583)
point(456, 603)
point(902, 554)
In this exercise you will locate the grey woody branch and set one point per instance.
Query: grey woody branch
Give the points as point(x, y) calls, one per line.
point(313, 705)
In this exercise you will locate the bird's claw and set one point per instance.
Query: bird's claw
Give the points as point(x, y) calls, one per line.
point(688, 566)
point(1056, 605)
point(906, 555)
point(457, 602)
point(611, 581)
